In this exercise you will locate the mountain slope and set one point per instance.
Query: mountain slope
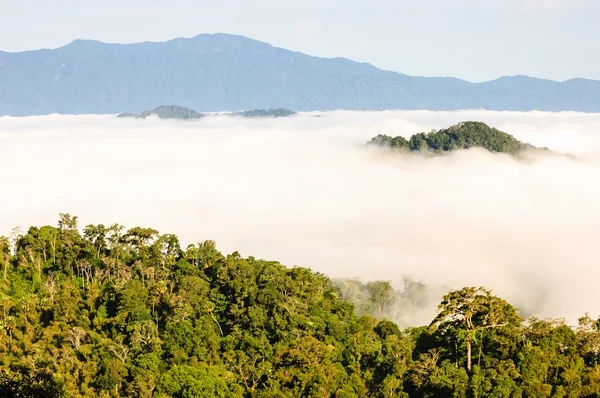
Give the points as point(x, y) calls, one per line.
point(223, 72)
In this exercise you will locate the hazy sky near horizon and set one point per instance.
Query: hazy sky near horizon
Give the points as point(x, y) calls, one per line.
point(554, 39)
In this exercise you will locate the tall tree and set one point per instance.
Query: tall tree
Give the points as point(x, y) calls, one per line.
point(471, 310)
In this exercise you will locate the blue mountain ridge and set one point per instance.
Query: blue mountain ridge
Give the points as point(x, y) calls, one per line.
point(223, 72)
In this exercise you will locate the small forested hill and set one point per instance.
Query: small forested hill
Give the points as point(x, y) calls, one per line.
point(460, 136)
point(277, 112)
point(111, 312)
point(179, 112)
point(166, 112)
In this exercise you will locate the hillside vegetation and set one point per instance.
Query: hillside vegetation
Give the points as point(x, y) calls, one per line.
point(222, 72)
point(166, 112)
point(277, 112)
point(111, 312)
point(460, 136)
point(179, 112)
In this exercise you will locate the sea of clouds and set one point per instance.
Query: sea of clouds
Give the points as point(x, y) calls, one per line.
point(305, 190)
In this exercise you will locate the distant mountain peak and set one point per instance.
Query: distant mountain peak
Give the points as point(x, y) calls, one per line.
point(86, 42)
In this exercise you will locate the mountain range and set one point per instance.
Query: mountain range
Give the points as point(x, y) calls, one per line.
point(222, 72)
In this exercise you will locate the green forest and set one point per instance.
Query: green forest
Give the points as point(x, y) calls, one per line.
point(459, 136)
point(105, 311)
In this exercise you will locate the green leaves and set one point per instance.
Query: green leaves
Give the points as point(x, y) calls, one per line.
point(26, 384)
point(113, 314)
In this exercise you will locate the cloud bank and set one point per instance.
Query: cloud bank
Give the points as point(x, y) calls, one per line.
point(305, 191)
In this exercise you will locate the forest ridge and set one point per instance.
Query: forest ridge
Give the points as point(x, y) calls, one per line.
point(105, 311)
point(223, 72)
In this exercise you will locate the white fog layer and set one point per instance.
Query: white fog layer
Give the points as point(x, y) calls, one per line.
point(306, 191)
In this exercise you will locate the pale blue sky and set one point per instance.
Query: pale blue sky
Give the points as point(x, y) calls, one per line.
point(471, 39)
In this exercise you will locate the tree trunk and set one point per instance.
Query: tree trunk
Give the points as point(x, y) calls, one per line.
point(456, 353)
point(53, 244)
point(469, 354)
point(480, 348)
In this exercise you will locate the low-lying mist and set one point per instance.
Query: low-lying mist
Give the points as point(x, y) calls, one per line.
point(306, 191)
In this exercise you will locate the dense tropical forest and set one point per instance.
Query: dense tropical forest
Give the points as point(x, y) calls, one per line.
point(180, 112)
point(105, 311)
point(460, 136)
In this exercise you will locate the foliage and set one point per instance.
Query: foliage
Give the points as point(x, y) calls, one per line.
point(29, 384)
point(110, 312)
point(460, 136)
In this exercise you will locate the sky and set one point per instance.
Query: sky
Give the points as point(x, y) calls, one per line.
point(469, 39)
point(307, 191)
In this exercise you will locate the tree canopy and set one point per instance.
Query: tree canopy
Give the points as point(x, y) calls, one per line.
point(105, 311)
point(460, 136)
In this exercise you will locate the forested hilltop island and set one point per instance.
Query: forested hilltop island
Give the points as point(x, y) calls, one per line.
point(165, 112)
point(112, 312)
point(463, 135)
point(223, 72)
point(276, 112)
point(179, 112)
